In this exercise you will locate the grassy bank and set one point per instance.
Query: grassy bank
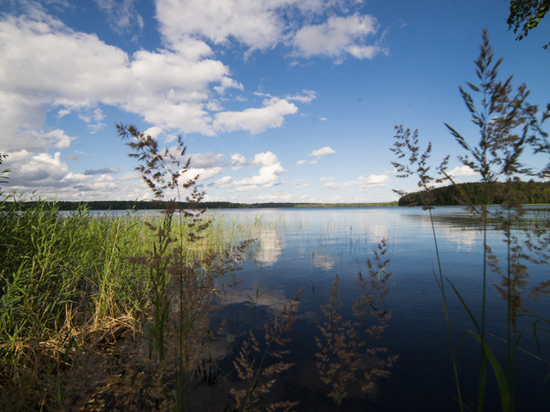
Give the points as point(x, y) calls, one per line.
point(72, 283)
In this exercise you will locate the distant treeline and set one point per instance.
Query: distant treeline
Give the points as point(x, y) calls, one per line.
point(522, 192)
point(150, 205)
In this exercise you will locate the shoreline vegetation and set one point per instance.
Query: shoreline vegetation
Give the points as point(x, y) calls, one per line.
point(155, 205)
point(524, 193)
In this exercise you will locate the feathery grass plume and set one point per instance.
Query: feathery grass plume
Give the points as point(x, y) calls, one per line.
point(4, 173)
point(508, 125)
point(341, 357)
point(186, 275)
point(250, 364)
point(406, 146)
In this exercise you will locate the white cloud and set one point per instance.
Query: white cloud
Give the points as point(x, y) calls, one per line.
point(206, 160)
point(45, 65)
point(462, 171)
point(224, 182)
point(364, 183)
point(62, 112)
point(248, 188)
point(322, 152)
point(326, 179)
point(338, 37)
point(237, 161)
point(36, 170)
point(47, 68)
point(255, 120)
point(323, 119)
point(301, 162)
point(374, 179)
point(228, 83)
point(154, 132)
point(263, 24)
point(121, 14)
point(256, 24)
point(305, 97)
point(269, 172)
point(203, 173)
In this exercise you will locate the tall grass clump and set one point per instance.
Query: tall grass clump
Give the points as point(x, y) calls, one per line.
point(61, 278)
point(110, 312)
point(184, 273)
point(508, 126)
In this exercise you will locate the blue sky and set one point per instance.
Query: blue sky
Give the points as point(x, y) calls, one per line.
point(277, 100)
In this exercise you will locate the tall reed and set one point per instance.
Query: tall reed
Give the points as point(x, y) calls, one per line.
point(507, 125)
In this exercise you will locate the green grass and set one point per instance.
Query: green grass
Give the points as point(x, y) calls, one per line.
point(69, 279)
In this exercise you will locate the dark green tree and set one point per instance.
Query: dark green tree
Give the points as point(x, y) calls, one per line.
point(526, 15)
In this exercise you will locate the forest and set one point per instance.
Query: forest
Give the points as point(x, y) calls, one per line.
point(525, 193)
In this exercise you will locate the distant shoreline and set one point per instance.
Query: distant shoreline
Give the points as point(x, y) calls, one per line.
point(151, 205)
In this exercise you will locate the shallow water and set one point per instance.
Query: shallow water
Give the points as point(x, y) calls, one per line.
point(308, 247)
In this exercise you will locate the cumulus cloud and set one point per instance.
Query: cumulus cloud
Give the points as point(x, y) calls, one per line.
point(338, 37)
point(326, 179)
point(237, 161)
point(223, 183)
point(268, 175)
point(203, 173)
point(206, 160)
point(78, 72)
point(255, 120)
point(36, 169)
point(48, 69)
point(258, 24)
point(363, 183)
point(263, 24)
point(154, 132)
point(462, 171)
point(322, 152)
point(301, 162)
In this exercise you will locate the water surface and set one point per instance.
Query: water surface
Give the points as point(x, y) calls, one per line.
point(308, 247)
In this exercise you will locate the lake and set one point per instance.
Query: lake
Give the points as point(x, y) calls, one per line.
point(307, 248)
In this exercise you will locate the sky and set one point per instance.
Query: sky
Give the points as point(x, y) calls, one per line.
point(276, 100)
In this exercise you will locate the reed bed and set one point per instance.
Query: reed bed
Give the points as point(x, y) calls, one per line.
point(70, 281)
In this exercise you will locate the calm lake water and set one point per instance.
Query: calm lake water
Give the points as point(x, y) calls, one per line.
point(308, 247)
